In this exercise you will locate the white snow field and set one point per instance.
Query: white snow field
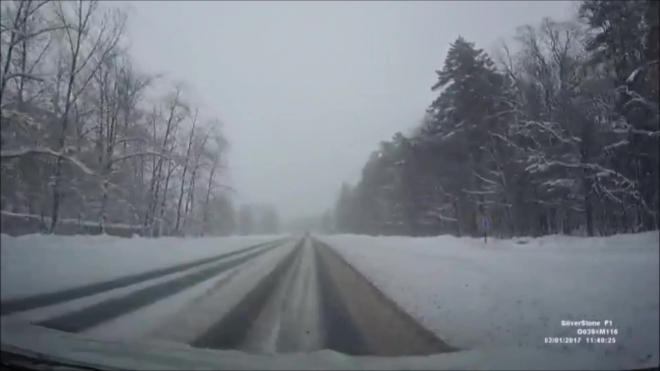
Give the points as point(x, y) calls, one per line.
point(34, 264)
point(515, 293)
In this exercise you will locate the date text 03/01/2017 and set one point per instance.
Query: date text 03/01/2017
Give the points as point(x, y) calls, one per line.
point(578, 340)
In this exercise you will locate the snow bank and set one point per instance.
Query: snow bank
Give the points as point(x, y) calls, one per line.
point(36, 263)
point(515, 293)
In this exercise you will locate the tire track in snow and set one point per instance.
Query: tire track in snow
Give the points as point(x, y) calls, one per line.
point(44, 313)
point(267, 328)
point(95, 315)
point(361, 320)
point(314, 300)
point(299, 315)
point(139, 323)
point(42, 300)
point(232, 329)
point(341, 332)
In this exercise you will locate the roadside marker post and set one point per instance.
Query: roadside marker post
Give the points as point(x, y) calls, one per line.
point(484, 225)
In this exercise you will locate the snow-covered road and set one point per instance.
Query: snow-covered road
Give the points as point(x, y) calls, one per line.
point(447, 296)
point(280, 296)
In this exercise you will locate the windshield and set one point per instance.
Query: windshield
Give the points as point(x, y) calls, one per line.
point(353, 184)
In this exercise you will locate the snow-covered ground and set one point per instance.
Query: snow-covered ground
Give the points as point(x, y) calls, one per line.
point(507, 294)
point(35, 263)
point(510, 293)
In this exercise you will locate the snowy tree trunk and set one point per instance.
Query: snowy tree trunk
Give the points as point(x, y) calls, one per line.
point(104, 202)
point(103, 44)
point(183, 176)
point(189, 198)
point(170, 170)
point(154, 188)
point(208, 194)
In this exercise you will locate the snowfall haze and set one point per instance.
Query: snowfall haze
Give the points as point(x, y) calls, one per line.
point(307, 90)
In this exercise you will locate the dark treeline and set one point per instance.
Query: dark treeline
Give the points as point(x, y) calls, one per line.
point(258, 219)
point(559, 137)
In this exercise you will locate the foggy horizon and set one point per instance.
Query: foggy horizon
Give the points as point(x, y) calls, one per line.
point(306, 91)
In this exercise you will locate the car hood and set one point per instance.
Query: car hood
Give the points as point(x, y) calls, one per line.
point(26, 341)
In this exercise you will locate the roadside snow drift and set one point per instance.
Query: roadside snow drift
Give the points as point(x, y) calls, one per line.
point(516, 293)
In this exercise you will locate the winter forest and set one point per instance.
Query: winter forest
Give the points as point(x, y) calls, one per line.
point(557, 134)
point(92, 145)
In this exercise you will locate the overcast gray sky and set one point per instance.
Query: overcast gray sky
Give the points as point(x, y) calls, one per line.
point(307, 90)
